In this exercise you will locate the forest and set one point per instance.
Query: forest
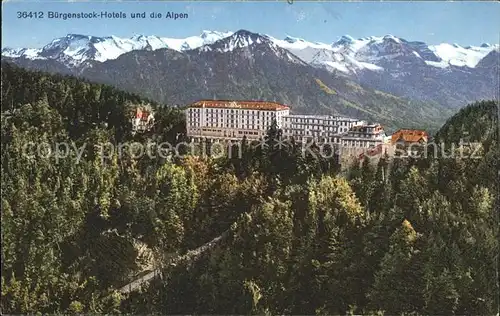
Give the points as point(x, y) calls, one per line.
point(295, 235)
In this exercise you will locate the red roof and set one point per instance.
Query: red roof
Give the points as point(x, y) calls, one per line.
point(143, 115)
point(409, 135)
point(247, 105)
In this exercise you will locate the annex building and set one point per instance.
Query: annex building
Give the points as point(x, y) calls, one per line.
point(318, 127)
point(364, 136)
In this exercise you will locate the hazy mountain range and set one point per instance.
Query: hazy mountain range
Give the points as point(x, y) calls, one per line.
point(390, 79)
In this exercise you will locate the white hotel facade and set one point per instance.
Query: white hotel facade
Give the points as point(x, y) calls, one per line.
point(233, 120)
point(318, 127)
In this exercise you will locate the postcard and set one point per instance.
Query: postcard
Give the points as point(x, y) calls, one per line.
point(250, 157)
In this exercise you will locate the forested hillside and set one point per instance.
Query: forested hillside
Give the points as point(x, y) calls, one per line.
point(406, 236)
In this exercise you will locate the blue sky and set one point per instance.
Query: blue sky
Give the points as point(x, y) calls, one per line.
point(464, 23)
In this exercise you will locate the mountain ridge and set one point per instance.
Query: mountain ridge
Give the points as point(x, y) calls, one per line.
point(446, 53)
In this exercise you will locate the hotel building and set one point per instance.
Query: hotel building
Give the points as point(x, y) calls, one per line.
point(232, 120)
point(318, 127)
point(364, 136)
point(142, 121)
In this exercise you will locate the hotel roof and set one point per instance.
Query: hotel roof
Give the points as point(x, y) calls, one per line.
point(409, 135)
point(245, 105)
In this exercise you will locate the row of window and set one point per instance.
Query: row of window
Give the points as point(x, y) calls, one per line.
point(236, 126)
point(360, 135)
point(248, 133)
point(239, 112)
point(357, 143)
point(300, 124)
point(334, 140)
point(316, 128)
point(286, 131)
point(318, 122)
point(299, 136)
point(229, 120)
point(304, 132)
point(226, 133)
point(245, 117)
point(210, 130)
point(222, 119)
point(347, 143)
point(229, 124)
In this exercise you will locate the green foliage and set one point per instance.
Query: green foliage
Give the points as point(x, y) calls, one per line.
point(401, 237)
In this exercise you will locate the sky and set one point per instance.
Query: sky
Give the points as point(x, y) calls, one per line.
point(464, 23)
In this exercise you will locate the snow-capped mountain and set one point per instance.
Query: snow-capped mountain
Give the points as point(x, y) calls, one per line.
point(456, 55)
point(239, 39)
point(30, 53)
point(347, 54)
point(77, 48)
point(350, 55)
point(256, 44)
point(449, 74)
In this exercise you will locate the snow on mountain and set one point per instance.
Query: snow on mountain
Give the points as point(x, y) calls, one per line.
point(238, 39)
point(460, 56)
point(192, 42)
point(79, 48)
point(243, 38)
point(341, 55)
point(31, 53)
point(294, 43)
point(347, 54)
